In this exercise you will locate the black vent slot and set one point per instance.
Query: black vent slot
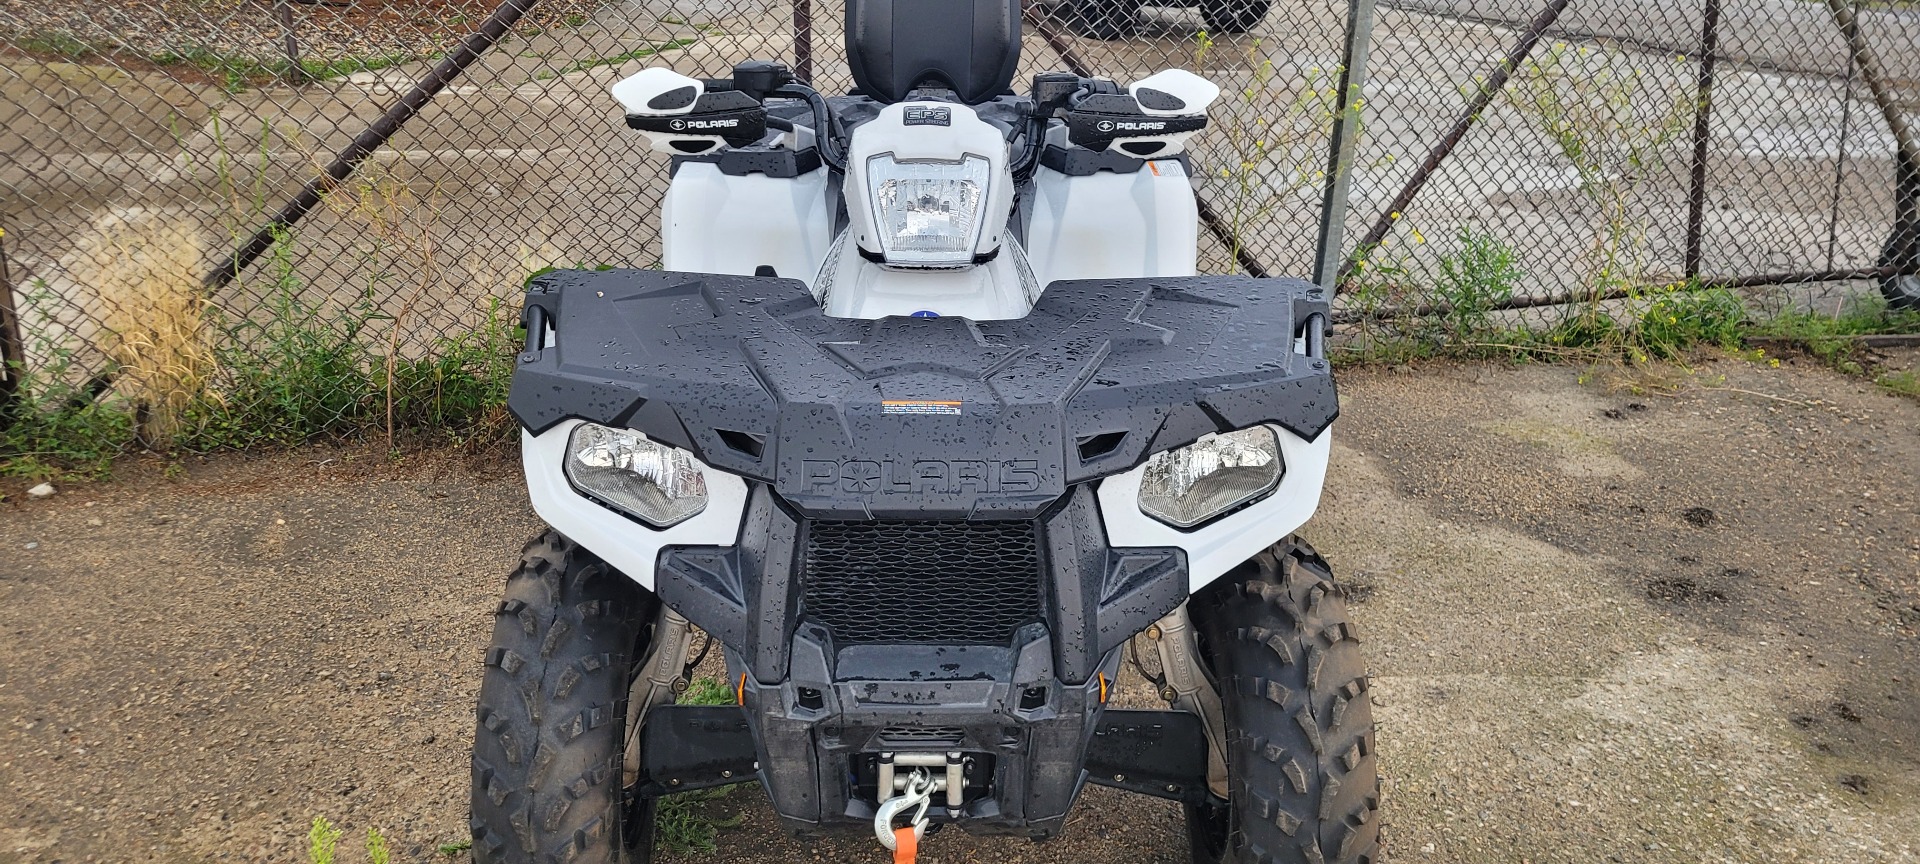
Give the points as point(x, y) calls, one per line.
point(923, 736)
point(743, 442)
point(1095, 446)
point(954, 583)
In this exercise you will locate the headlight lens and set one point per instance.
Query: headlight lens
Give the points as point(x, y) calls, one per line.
point(928, 213)
point(1193, 484)
point(661, 485)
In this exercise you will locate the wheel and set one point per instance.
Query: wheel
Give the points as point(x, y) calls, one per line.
point(1103, 19)
point(1903, 246)
point(1903, 249)
point(1301, 779)
point(552, 715)
point(1232, 16)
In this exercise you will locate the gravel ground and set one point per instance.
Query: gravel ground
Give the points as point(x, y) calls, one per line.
point(1606, 627)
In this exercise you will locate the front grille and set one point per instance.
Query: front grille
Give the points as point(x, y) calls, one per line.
point(945, 582)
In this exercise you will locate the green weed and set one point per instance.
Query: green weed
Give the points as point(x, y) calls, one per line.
point(57, 427)
point(1686, 317)
point(706, 691)
point(1617, 127)
point(59, 44)
point(1905, 383)
point(460, 384)
point(1832, 339)
point(297, 372)
point(323, 841)
point(377, 848)
point(323, 844)
point(1474, 280)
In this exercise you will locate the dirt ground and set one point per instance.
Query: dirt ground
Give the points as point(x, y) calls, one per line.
point(1606, 627)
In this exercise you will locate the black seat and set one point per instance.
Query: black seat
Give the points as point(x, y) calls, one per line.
point(967, 46)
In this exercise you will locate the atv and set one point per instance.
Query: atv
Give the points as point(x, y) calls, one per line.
point(929, 422)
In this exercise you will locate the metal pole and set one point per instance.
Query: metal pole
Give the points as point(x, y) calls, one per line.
point(1346, 133)
point(1840, 164)
point(13, 355)
point(1702, 136)
point(803, 41)
point(1496, 82)
point(296, 73)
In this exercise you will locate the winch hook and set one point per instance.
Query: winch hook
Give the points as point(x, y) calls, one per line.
point(904, 842)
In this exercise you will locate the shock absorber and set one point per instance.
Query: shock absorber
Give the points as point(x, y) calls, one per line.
point(1189, 689)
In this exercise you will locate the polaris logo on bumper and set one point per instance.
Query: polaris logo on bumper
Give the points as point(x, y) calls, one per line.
point(921, 476)
point(1132, 125)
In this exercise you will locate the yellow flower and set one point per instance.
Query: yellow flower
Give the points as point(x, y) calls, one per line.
point(1419, 237)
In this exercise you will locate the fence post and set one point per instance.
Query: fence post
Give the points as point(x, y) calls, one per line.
point(803, 41)
point(1346, 128)
point(296, 73)
point(1702, 136)
point(13, 355)
point(1840, 163)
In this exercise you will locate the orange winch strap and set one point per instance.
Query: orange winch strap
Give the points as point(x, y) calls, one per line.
point(906, 845)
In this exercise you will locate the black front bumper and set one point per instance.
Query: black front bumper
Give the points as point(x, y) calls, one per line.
point(824, 707)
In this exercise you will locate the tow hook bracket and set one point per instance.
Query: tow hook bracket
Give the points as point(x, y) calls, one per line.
point(690, 747)
point(1157, 753)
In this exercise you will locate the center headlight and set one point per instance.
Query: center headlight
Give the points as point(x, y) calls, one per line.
point(927, 213)
point(1211, 477)
point(661, 485)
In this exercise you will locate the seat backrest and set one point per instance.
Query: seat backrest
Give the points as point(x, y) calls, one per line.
point(968, 46)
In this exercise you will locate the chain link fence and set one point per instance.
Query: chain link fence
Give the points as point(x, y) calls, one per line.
point(1510, 154)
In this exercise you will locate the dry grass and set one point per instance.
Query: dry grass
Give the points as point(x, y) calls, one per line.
point(143, 268)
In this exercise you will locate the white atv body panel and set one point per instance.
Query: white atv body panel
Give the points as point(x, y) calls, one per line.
point(1221, 545)
point(1110, 226)
point(714, 223)
point(850, 286)
point(627, 545)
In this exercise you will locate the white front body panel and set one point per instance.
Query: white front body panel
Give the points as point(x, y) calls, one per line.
point(1219, 546)
point(850, 286)
point(1113, 226)
point(713, 223)
point(624, 543)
